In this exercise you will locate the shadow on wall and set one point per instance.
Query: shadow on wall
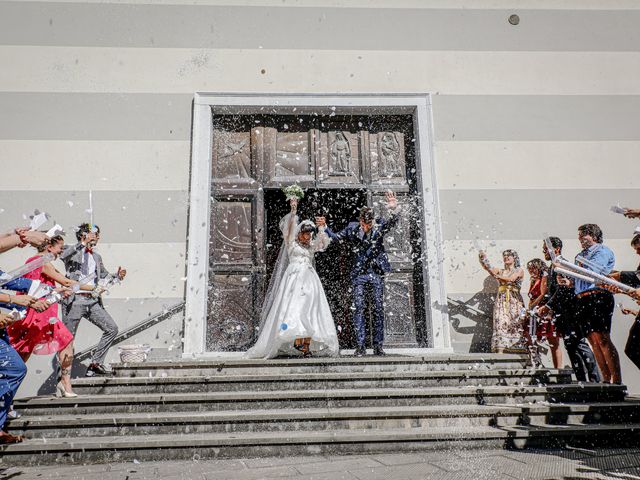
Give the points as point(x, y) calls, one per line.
point(479, 311)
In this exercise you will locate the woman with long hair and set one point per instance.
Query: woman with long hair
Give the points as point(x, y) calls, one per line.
point(544, 327)
point(508, 325)
point(42, 333)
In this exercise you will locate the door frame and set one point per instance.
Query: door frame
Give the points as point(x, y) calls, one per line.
point(208, 104)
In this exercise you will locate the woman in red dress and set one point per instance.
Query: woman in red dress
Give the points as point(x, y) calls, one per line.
point(545, 329)
point(42, 333)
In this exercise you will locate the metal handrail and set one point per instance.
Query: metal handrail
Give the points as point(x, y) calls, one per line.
point(135, 329)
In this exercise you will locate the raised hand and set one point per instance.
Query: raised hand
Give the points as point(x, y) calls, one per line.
point(122, 272)
point(293, 201)
point(392, 201)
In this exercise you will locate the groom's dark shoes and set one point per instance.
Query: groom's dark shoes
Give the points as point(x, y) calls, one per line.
point(378, 351)
point(360, 352)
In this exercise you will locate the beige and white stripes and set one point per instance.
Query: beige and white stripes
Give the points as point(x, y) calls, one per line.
point(537, 126)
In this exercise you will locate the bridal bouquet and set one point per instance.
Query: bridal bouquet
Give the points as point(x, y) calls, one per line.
point(293, 191)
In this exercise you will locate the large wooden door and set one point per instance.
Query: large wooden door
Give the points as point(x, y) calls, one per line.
point(245, 163)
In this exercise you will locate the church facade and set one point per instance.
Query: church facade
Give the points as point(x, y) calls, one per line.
point(496, 122)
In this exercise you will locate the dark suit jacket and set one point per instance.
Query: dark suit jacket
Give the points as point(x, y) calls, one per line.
point(631, 278)
point(371, 256)
point(561, 300)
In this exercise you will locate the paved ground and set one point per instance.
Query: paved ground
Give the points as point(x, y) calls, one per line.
point(566, 464)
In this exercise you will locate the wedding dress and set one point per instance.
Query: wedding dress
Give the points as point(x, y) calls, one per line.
point(295, 305)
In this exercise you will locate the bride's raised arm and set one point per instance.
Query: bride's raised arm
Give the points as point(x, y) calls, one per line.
point(289, 223)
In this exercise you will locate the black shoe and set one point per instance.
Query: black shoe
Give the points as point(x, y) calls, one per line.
point(360, 352)
point(97, 369)
point(378, 351)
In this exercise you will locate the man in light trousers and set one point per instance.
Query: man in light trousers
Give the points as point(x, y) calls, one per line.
point(81, 260)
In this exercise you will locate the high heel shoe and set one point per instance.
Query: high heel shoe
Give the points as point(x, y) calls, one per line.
point(61, 392)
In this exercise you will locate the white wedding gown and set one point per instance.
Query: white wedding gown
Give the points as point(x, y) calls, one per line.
point(298, 307)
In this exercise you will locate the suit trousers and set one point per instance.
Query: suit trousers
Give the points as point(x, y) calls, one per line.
point(12, 372)
point(360, 283)
point(580, 354)
point(582, 360)
point(84, 306)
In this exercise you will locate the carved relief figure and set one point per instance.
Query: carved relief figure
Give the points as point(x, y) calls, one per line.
point(234, 161)
point(389, 155)
point(340, 154)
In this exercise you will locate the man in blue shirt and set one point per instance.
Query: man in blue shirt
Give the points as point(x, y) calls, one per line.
point(371, 263)
point(594, 305)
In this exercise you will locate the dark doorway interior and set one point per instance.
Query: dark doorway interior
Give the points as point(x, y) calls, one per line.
point(334, 265)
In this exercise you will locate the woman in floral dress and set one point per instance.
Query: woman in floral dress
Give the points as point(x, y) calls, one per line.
point(508, 323)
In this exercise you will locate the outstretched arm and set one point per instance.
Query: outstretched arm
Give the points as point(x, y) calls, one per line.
point(484, 262)
point(321, 223)
point(51, 272)
point(393, 207)
point(289, 223)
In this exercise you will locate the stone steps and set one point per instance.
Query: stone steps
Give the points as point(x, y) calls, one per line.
point(248, 444)
point(274, 399)
point(312, 381)
point(389, 363)
point(239, 408)
point(319, 419)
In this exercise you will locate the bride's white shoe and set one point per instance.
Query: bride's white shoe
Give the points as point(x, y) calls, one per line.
point(61, 392)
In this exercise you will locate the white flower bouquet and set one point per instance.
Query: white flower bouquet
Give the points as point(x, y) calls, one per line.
point(293, 191)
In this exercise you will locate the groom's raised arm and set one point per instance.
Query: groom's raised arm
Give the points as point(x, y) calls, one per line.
point(340, 236)
point(388, 223)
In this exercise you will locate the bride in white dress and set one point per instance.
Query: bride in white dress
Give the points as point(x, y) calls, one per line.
point(296, 319)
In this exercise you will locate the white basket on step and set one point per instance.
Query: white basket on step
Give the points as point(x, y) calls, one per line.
point(134, 353)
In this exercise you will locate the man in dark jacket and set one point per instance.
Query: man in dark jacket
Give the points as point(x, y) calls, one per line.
point(366, 237)
point(632, 278)
point(560, 300)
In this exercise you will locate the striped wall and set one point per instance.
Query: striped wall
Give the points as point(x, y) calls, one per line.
point(536, 125)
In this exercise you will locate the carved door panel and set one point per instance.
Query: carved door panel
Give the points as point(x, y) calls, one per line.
point(399, 308)
point(385, 159)
point(339, 158)
point(397, 242)
point(288, 157)
point(234, 166)
point(236, 271)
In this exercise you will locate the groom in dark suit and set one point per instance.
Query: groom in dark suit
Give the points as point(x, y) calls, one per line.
point(366, 237)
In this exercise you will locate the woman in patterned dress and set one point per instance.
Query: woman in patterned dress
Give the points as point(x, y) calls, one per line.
point(508, 324)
